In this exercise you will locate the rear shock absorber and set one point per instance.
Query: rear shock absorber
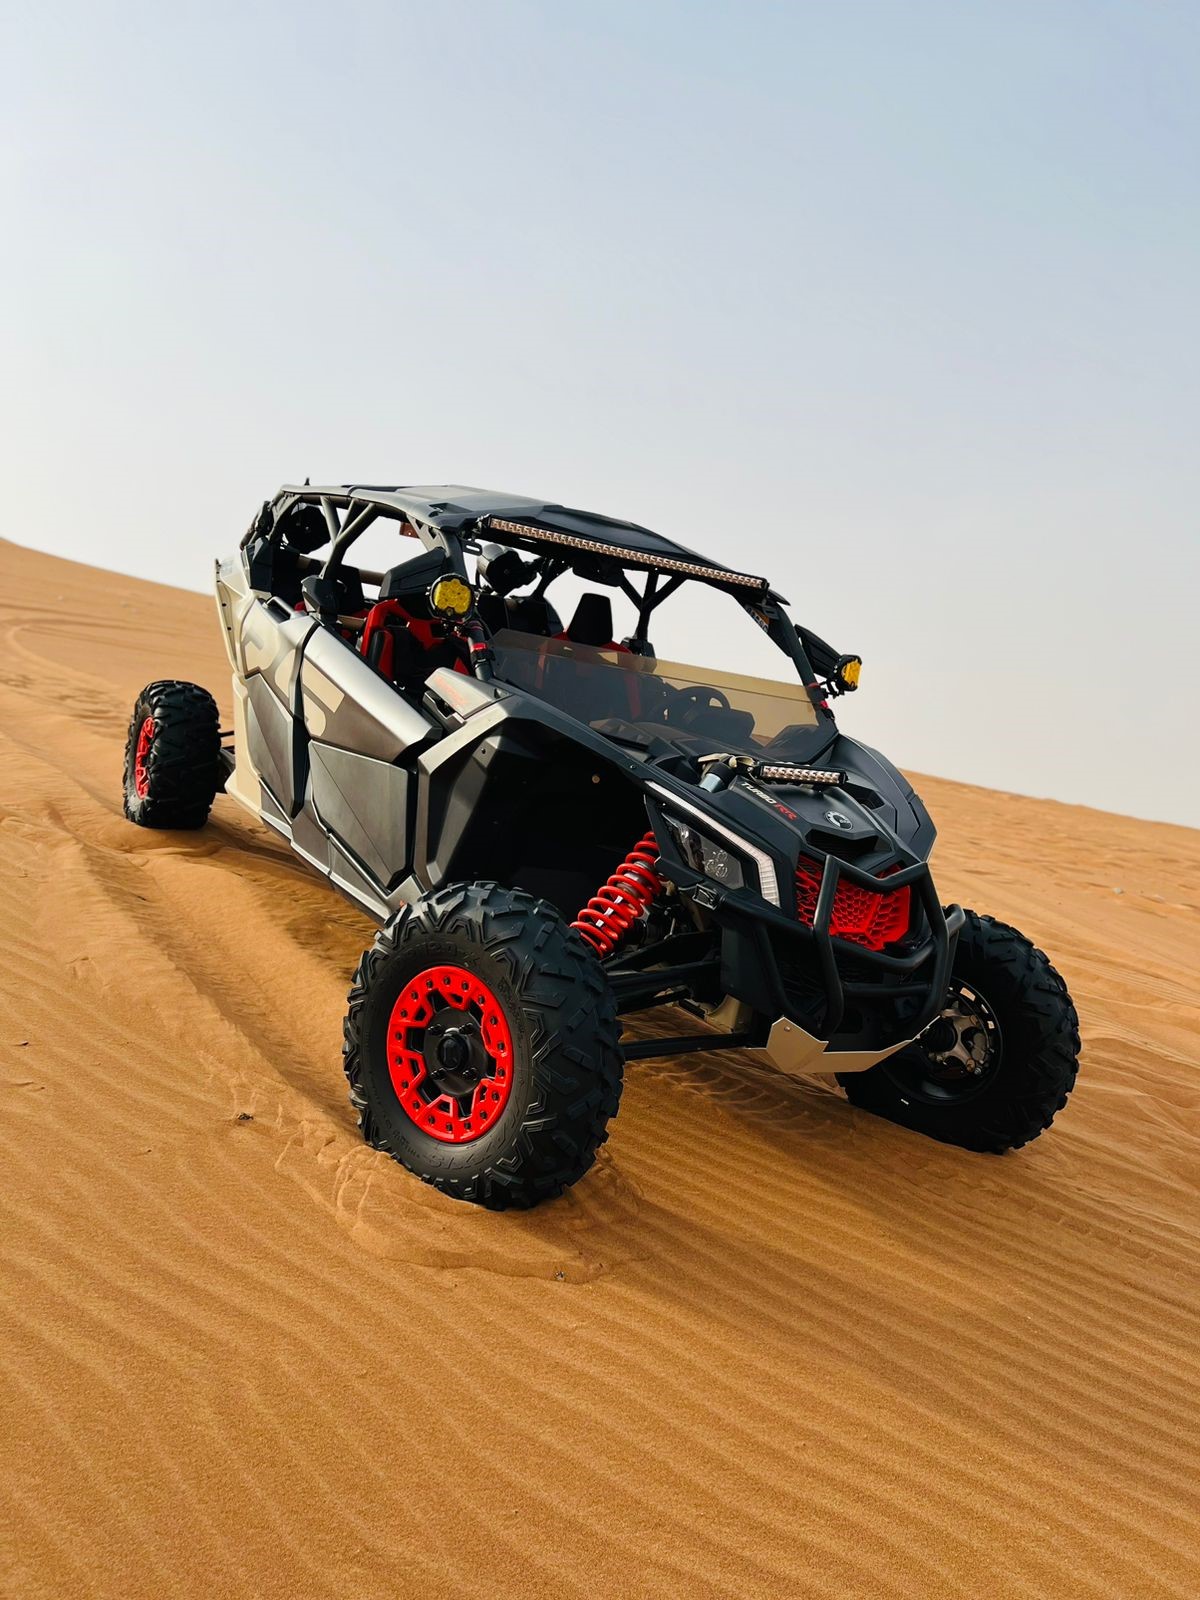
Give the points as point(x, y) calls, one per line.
point(615, 907)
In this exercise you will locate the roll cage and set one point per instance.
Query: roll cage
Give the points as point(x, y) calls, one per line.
point(460, 521)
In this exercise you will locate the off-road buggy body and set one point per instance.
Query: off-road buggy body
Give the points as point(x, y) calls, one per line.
point(557, 830)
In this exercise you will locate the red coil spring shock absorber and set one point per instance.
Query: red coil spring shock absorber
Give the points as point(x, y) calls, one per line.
point(614, 908)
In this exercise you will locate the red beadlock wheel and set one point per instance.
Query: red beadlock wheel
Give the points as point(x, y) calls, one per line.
point(450, 1054)
point(141, 774)
point(172, 768)
point(482, 1045)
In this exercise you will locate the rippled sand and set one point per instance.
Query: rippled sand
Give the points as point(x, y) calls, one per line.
point(769, 1347)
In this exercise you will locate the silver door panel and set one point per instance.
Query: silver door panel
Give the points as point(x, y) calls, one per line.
point(363, 803)
point(265, 643)
point(268, 736)
point(353, 881)
point(347, 704)
point(309, 837)
point(271, 639)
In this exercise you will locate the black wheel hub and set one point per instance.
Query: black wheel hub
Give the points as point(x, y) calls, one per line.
point(454, 1054)
point(958, 1054)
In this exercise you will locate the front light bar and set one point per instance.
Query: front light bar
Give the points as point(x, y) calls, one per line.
point(816, 777)
point(730, 763)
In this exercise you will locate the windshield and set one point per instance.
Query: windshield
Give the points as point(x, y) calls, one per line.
point(697, 708)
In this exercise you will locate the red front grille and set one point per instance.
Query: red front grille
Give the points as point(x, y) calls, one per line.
point(872, 918)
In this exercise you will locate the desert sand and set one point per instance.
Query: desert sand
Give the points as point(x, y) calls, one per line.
point(769, 1347)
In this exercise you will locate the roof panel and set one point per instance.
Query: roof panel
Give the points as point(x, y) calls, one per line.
point(456, 508)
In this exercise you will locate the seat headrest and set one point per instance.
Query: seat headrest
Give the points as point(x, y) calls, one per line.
point(411, 579)
point(533, 613)
point(350, 591)
point(593, 620)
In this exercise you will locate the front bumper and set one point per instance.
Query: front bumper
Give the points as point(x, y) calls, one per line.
point(835, 1000)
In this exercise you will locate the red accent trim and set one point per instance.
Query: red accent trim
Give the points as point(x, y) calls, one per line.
point(616, 906)
point(443, 1117)
point(141, 775)
point(873, 918)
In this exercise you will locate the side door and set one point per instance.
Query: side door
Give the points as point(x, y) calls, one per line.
point(265, 639)
point(359, 789)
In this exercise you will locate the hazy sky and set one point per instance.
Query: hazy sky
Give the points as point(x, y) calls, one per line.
point(896, 302)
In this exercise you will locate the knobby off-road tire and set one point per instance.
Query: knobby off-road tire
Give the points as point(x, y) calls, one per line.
point(172, 756)
point(1029, 1060)
point(526, 995)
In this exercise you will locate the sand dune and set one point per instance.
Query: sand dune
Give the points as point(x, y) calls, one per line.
point(770, 1346)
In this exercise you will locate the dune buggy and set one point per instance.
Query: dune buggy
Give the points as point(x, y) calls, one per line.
point(556, 829)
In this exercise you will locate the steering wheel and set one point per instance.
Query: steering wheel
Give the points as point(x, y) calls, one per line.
point(702, 698)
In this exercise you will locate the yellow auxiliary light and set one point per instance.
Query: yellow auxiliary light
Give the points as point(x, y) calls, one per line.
point(846, 673)
point(451, 598)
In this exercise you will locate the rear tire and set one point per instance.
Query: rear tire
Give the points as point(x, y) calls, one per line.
point(511, 1110)
point(1008, 1056)
point(172, 756)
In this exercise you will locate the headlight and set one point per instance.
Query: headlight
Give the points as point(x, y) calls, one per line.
point(708, 831)
point(706, 855)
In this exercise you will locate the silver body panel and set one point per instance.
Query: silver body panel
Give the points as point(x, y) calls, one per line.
point(790, 1049)
point(364, 804)
point(341, 799)
point(346, 703)
point(264, 643)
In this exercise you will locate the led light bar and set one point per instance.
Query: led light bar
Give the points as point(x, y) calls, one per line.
point(818, 777)
point(694, 569)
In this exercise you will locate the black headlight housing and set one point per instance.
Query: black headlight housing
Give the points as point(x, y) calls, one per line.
point(716, 861)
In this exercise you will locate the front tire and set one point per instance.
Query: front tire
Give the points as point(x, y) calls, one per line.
point(993, 1070)
point(481, 1046)
point(172, 756)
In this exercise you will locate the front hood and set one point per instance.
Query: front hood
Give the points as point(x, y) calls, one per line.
point(874, 820)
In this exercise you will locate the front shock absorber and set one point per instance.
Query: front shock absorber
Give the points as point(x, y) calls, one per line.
point(615, 907)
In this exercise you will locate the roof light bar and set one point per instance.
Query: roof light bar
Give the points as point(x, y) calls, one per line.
point(694, 569)
point(818, 777)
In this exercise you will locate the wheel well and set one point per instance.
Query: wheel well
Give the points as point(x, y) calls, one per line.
point(533, 811)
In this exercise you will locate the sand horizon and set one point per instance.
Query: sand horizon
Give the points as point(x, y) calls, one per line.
point(770, 1346)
